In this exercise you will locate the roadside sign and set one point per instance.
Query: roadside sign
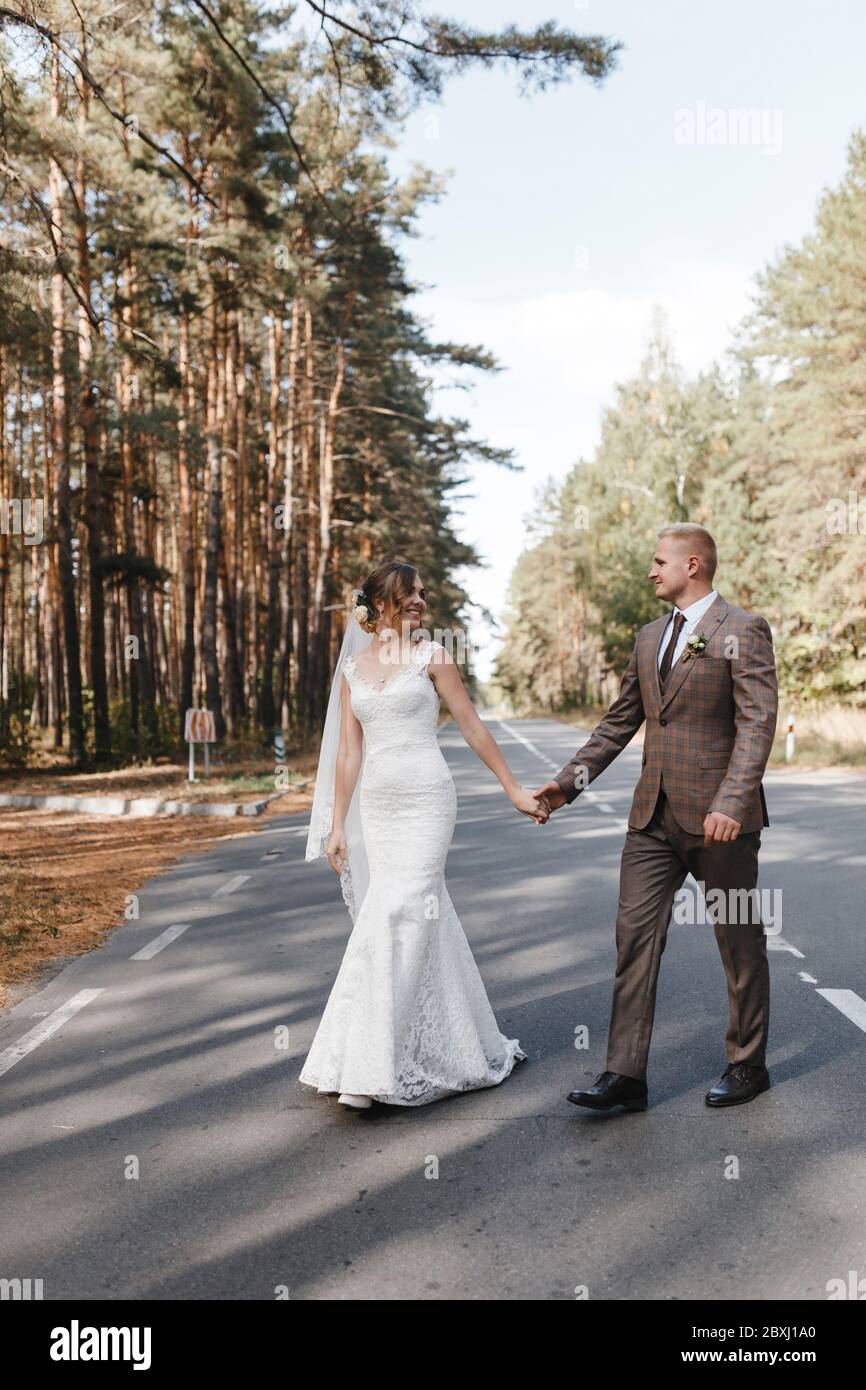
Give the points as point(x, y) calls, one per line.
point(199, 727)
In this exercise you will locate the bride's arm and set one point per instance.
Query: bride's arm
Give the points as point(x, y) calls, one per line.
point(446, 678)
point(346, 775)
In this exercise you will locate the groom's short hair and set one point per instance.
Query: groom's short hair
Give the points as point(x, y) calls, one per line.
point(699, 540)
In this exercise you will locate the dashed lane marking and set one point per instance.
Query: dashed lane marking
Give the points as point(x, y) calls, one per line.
point(231, 887)
point(164, 939)
point(848, 1003)
point(47, 1028)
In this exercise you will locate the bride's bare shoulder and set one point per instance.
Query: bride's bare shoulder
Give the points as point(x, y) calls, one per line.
point(434, 654)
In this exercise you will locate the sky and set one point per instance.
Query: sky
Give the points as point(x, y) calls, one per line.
point(568, 215)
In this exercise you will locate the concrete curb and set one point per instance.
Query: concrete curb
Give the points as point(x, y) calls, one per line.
point(136, 806)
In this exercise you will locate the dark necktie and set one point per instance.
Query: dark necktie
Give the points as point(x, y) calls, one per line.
point(668, 653)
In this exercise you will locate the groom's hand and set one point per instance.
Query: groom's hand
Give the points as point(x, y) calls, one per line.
point(718, 827)
point(530, 804)
point(553, 795)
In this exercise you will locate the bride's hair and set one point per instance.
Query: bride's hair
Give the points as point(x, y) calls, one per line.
point(390, 584)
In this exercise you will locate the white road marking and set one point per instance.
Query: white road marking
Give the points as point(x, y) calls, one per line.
point(590, 796)
point(43, 1031)
point(164, 939)
point(778, 943)
point(526, 743)
point(807, 979)
point(848, 1003)
point(231, 887)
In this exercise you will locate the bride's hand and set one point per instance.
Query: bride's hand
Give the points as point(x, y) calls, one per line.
point(534, 807)
point(337, 852)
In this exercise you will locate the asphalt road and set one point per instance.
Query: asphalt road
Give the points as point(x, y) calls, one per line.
point(155, 1143)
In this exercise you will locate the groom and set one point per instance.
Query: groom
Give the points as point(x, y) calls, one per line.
point(703, 678)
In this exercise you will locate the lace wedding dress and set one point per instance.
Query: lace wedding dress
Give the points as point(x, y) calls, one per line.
point(408, 1020)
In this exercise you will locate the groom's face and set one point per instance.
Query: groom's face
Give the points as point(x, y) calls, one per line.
point(671, 569)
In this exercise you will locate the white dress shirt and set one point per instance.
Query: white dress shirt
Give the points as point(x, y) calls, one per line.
point(692, 615)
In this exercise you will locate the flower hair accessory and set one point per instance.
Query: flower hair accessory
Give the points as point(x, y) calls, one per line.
point(363, 608)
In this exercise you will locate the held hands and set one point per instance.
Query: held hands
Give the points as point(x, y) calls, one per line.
point(552, 794)
point(718, 827)
point(531, 804)
point(336, 851)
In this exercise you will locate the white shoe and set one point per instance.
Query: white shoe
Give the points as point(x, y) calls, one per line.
point(354, 1102)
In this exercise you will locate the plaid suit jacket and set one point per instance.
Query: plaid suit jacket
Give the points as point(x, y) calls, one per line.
point(708, 737)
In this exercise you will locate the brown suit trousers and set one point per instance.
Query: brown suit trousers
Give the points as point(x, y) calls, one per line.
point(655, 862)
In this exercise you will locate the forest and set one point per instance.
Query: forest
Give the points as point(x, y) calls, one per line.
point(218, 406)
point(216, 402)
point(767, 449)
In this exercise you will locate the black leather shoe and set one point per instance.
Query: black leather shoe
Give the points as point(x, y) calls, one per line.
point(740, 1082)
point(612, 1089)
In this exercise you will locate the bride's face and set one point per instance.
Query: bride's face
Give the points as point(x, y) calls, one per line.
point(408, 615)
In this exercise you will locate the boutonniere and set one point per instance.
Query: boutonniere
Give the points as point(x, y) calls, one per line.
point(694, 645)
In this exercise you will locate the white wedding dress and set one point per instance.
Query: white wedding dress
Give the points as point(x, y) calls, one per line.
point(408, 1020)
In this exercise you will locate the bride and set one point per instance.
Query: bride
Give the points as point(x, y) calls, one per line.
point(408, 1019)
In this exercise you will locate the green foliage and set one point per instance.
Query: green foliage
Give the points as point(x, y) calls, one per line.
point(579, 592)
point(16, 739)
point(158, 738)
point(208, 185)
point(770, 456)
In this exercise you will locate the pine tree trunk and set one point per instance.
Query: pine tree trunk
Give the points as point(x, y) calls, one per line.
point(267, 712)
point(287, 558)
point(212, 537)
point(187, 538)
point(319, 624)
point(5, 493)
point(60, 444)
point(90, 431)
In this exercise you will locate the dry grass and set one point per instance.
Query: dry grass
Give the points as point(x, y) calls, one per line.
point(248, 780)
point(824, 735)
point(64, 877)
